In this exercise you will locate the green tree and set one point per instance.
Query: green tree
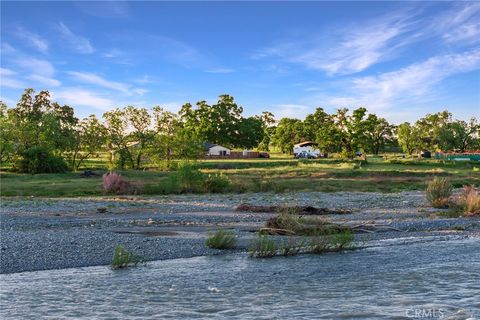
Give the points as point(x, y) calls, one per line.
point(250, 133)
point(408, 138)
point(116, 126)
point(459, 135)
point(140, 136)
point(90, 137)
point(7, 134)
point(377, 132)
point(288, 132)
point(218, 123)
point(268, 125)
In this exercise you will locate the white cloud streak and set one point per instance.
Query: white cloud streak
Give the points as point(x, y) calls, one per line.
point(81, 97)
point(78, 43)
point(407, 85)
point(33, 39)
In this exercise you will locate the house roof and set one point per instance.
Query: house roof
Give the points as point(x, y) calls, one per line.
point(306, 143)
point(208, 145)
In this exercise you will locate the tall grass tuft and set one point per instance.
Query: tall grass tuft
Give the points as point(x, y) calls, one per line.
point(469, 201)
point(221, 239)
point(438, 192)
point(262, 246)
point(122, 258)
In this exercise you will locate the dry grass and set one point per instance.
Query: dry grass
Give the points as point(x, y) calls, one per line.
point(469, 201)
point(439, 191)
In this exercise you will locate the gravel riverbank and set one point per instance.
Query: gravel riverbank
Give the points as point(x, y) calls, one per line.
point(42, 233)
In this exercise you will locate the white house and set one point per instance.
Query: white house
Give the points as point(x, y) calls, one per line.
point(216, 150)
point(308, 146)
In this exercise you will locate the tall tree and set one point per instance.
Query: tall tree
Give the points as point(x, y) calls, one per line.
point(408, 137)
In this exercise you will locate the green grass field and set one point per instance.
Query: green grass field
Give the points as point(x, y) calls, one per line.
point(278, 174)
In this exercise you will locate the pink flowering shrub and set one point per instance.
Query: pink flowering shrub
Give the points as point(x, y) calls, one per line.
point(116, 184)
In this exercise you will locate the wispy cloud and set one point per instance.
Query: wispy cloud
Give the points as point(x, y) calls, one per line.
point(92, 78)
point(220, 70)
point(49, 82)
point(81, 97)
point(356, 48)
point(409, 84)
point(78, 43)
point(114, 53)
point(36, 66)
point(32, 39)
point(347, 51)
point(8, 79)
point(298, 111)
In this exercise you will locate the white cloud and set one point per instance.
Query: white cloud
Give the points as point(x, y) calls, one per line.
point(466, 32)
point(412, 84)
point(143, 80)
point(11, 83)
point(6, 72)
point(32, 39)
point(297, 111)
point(81, 97)
point(114, 53)
point(347, 51)
point(140, 91)
point(78, 43)
point(36, 66)
point(6, 48)
point(8, 79)
point(92, 78)
point(220, 70)
point(352, 49)
point(50, 82)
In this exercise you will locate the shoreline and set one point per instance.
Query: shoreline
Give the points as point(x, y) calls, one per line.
point(45, 234)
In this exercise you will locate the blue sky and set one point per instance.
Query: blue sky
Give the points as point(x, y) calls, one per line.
point(401, 60)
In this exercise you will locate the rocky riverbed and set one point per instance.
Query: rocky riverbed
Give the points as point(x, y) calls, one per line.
point(45, 233)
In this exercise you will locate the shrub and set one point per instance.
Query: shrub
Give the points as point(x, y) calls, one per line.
point(116, 184)
point(122, 258)
point(438, 192)
point(188, 179)
point(469, 201)
point(40, 160)
point(222, 239)
point(216, 183)
point(262, 246)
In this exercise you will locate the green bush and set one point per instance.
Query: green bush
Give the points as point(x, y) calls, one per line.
point(189, 179)
point(122, 258)
point(216, 183)
point(438, 192)
point(222, 239)
point(40, 160)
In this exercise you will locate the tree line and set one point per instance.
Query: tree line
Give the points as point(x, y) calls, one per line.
point(39, 135)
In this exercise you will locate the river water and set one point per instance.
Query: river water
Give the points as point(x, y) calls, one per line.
point(421, 279)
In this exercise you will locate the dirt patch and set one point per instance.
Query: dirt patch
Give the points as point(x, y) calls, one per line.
point(299, 210)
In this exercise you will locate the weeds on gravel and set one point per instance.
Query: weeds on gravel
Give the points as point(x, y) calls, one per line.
point(469, 201)
point(221, 239)
point(291, 247)
point(438, 192)
point(122, 258)
point(262, 246)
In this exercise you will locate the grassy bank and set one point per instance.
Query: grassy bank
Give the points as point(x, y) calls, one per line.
point(263, 175)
